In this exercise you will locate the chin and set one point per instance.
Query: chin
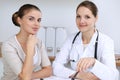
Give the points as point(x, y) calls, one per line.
point(82, 30)
point(33, 33)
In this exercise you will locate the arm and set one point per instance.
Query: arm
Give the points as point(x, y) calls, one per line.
point(27, 67)
point(59, 68)
point(107, 61)
point(10, 56)
point(96, 71)
point(46, 70)
point(82, 66)
point(86, 76)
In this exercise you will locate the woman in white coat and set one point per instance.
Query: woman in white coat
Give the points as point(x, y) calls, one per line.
point(89, 52)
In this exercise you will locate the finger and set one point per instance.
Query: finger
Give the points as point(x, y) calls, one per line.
point(81, 64)
point(78, 65)
point(84, 64)
point(87, 65)
point(90, 62)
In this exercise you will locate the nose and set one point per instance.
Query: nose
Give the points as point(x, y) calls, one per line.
point(37, 23)
point(81, 20)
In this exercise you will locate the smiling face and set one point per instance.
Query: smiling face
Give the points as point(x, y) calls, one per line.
point(85, 19)
point(30, 22)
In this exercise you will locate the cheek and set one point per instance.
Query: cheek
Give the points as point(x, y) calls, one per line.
point(77, 22)
point(91, 22)
point(39, 26)
point(24, 23)
point(26, 26)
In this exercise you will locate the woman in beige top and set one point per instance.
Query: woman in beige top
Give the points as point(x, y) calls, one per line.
point(24, 54)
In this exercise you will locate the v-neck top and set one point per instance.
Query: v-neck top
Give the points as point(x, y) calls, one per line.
point(14, 56)
point(35, 57)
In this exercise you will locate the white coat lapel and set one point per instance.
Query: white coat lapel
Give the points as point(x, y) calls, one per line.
point(79, 45)
point(89, 51)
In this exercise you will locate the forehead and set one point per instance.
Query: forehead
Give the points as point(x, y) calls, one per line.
point(33, 12)
point(83, 10)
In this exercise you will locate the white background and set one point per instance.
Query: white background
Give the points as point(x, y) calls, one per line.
point(61, 13)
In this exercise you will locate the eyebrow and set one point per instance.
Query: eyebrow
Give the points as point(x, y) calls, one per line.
point(33, 17)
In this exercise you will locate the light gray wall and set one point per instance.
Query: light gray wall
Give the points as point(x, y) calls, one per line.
point(61, 13)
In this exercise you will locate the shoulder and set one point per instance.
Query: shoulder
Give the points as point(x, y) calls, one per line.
point(9, 46)
point(10, 41)
point(70, 39)
point(105, 38)
point(72, 36)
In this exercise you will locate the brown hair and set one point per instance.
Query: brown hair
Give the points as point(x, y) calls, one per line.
point(22, 11)
point(90, 5)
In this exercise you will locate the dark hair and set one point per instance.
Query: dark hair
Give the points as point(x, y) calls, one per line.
point(90, 5)
point(22, 11)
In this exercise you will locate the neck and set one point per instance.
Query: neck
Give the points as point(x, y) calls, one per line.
point(86, 36)
point(22, 38)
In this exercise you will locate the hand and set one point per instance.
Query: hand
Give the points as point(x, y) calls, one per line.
point(86, 76)
point(73, 75)
point(85, 63)
point(31, 42)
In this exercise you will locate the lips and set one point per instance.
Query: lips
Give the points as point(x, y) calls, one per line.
point(35, 29)
point(82, 26)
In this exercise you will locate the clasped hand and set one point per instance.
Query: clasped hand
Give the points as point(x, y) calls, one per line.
point(82, 65)
point(85, 63)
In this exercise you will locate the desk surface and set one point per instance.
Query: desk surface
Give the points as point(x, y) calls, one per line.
point(57, 78)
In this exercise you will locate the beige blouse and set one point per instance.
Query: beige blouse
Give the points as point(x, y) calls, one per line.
point(13, 58)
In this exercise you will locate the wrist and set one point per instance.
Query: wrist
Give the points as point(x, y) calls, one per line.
point(30, 52)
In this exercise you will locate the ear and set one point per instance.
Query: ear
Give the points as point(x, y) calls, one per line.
point(19, 20)
point(96, 17)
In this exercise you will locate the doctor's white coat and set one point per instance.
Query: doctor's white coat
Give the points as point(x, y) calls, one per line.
point(104, 67)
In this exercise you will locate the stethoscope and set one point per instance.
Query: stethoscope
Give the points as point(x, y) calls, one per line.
point(96, 45)
point(95, 52)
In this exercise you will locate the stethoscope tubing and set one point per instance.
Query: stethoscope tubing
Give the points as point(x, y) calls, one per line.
point(96, 44)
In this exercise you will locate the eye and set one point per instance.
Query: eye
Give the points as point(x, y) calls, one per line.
point(39, 20)
point(78, 16)
point(31, 18)
point(87, 17)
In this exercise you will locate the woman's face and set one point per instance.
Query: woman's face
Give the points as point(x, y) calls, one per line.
point(85, 20)
point(30, 22)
